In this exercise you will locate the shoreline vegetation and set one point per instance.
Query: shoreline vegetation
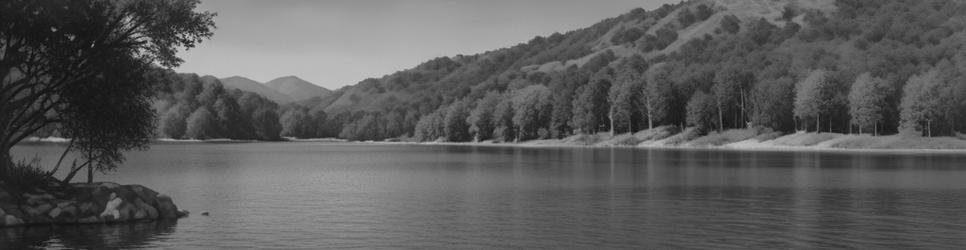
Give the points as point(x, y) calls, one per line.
point(668, 137)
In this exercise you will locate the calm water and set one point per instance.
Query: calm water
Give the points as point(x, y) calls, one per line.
point(314, 195)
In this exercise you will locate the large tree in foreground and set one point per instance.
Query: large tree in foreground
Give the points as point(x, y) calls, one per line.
point(88, 67)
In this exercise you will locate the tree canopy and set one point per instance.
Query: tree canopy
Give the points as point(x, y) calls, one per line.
point(86, 66)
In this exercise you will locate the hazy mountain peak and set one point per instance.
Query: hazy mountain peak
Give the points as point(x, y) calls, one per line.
point(297, 88)
point(245, 84)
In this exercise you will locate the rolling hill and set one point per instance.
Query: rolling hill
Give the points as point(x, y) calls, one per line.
point(297, 89)
point(245, 84)
point(720, 64)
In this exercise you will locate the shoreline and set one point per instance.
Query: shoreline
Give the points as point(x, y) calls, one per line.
point(828, 142)
point(706, 148)
point(55, 204)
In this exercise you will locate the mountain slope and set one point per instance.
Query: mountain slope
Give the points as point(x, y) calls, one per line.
point(297, 89)
point(245, 84)
point(713, 64)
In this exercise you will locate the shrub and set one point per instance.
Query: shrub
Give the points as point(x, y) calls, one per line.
point(24, 175)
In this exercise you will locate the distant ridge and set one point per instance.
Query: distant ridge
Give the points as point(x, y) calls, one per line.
point(245, 84)
point(297, 89)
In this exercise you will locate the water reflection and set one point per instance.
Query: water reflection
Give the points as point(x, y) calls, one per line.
point(100, 236)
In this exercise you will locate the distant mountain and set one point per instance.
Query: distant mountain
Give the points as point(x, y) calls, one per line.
point(297, 89)
point(245, 84)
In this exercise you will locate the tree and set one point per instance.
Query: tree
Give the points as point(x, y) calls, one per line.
point(531, 111)
point(624, 94)
point(297, 123)
point(563, 88)
point(430, 127)
point(813, 98)
point(172, 122)
point(657, 95)
point(201, 125)
point(731, 87)
point(703, 12)
point(231, 122)
point(701, 111)
point(590, 106)
point(265, 122)
point(84, 65)
point(730, 24)
point(481, 117)
point(868, 100)
point(455, 128)
point(503, 128)
point(770, 106)
point(922, 104)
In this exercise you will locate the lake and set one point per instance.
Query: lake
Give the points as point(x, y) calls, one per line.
point(310, 195)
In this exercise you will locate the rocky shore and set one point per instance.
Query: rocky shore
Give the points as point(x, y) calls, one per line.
point(84, 203)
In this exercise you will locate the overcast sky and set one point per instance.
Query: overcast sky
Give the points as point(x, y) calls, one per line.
point(340, 42)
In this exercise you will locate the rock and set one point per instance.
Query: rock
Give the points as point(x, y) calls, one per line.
point(151, 212)
point(127, 211)
point(10, 220)
point(140, 214)
point(110, 185)
point(182, 213)
point(37, 210)
point(166, 208)
point(54, 213)
point(65, 204)
point(204, 213)
point(88, 208)
point(34, 199)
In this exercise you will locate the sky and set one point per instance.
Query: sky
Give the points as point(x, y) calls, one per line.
point(334, 43)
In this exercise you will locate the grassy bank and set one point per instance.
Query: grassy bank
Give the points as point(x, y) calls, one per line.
point(745, 139)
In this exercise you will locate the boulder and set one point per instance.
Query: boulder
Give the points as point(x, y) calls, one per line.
point(34, 211)
point(10, 220)
point(54, 213)
point(150, 211)
point(166, 208)
point(88, 208)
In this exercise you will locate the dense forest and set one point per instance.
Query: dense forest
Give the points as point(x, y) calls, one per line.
point(847, 66)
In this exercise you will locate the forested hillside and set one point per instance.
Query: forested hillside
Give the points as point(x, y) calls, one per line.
point(193, 107)
point(844, 66)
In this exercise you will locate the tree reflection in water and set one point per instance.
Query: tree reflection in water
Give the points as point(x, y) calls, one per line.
point(99, 236)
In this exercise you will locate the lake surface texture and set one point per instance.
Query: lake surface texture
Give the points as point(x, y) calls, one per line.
point(309, 195)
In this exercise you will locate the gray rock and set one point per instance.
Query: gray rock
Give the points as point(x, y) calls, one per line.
point(205, 213)
point(151, 212)
point(166, 208)
point(10, 220)
point(54, 213)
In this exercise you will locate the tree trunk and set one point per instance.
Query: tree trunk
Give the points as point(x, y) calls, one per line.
point(6, 162)
point(90, 173)
point(929, 128)
point(818, 124)
point(610, 116)
point(720, 117)
point(875, 129)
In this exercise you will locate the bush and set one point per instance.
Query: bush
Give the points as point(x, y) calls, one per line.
point(25, 175)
